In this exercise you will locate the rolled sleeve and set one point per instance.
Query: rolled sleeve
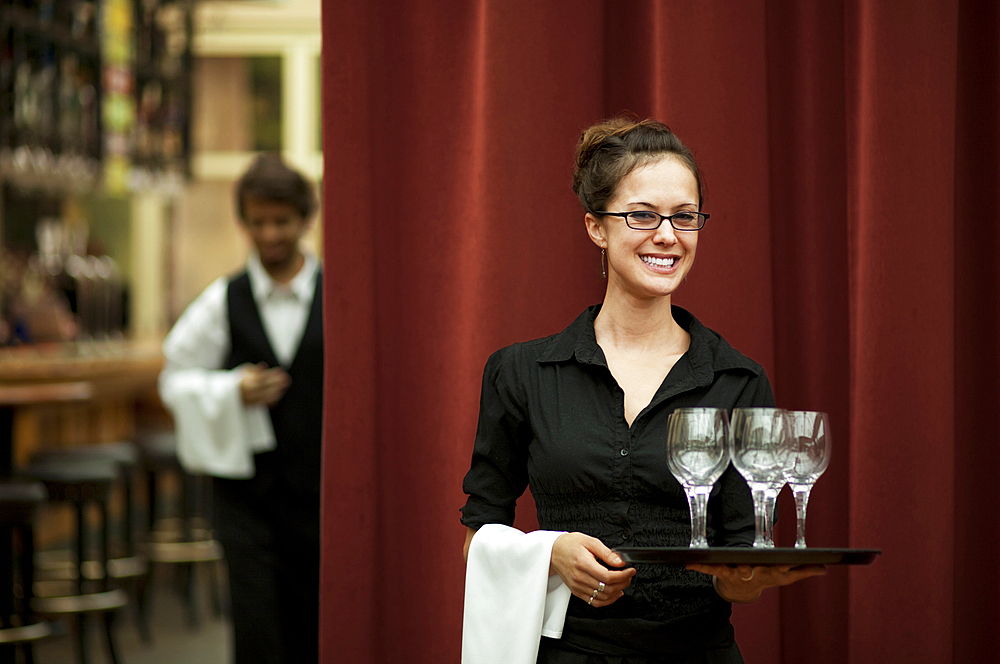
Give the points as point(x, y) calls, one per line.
point(498, 475)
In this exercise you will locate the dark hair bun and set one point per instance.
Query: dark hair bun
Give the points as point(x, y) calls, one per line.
point(613, 148)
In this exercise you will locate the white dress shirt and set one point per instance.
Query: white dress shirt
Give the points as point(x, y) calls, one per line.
point(217, 434)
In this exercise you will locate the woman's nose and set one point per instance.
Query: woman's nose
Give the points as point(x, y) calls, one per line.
point(665, 234)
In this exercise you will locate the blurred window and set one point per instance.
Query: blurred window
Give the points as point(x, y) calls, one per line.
point(238, 104)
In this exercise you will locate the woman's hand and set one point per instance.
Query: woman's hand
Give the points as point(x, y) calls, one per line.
point(743, 584)
point(577, 558)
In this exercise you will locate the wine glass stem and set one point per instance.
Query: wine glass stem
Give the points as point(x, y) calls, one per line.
point(770, 498)
point(759, 515)
point(698, 504)
point(801, 494)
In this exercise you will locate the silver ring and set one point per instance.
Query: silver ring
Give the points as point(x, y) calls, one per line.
point(747, 578)
point(600, 587)
point(591, 600)
point(593, 595)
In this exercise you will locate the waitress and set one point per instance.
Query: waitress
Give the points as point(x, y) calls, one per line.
point(580, 417)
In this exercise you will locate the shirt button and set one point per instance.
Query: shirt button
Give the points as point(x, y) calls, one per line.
point(624, 452)
point(626, 536)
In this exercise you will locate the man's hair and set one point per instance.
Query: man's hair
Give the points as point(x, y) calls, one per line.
point(269, 178)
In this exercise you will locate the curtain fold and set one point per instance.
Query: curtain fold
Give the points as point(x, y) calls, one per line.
point(901, 156)
point(808, 194)
point(977, 327)
point(851, 151)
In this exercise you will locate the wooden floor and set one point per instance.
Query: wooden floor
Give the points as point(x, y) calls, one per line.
point(174, 640)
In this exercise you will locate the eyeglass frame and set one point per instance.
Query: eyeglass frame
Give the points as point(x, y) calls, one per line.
point(670, 217)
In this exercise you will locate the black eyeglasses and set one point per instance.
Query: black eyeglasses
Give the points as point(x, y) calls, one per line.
point(647, 220)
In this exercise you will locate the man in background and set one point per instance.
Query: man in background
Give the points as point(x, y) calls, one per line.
point(244, 381)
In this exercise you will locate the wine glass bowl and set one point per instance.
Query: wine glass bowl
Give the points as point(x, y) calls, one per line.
point(697, 455)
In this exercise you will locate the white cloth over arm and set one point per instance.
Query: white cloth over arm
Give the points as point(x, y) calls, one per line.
point(217, 434)
point(510, 599)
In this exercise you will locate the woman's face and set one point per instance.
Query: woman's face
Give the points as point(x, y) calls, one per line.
point(649, 264)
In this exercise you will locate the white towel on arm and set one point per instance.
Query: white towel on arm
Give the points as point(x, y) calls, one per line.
point(510, 599)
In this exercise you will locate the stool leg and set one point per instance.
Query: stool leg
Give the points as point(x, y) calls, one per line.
point(137, 585)
point(109, 635)
point(147, 583)
point(128, 534)
point(109, 616)
point(215, 585)
point(81, 520)
point(141, 615)
point(143, 601)
point(187, 488)
point(7, 566)
point(81, 619)
point(190, 596)
point(8, 653)
point(102, 510)
point(27, 582)
point(81, 638)
point(150, 501)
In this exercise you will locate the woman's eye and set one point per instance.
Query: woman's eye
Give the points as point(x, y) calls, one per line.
point(643, 216)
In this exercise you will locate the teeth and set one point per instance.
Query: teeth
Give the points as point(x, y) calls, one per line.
point(659, 262)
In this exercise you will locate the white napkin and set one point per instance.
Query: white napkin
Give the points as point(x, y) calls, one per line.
point(510, 599)
point(217, 434)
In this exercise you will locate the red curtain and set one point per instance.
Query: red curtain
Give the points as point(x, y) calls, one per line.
point(852, 158)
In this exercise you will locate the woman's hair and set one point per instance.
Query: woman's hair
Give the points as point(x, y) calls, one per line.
point(271, 179)
point(611, 149)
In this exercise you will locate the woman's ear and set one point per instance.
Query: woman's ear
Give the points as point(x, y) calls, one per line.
point(595, 229)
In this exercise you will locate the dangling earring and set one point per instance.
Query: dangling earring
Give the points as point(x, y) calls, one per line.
point(604, 258)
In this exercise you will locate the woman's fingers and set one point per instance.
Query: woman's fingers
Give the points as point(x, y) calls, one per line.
point(580, 560)
point(744, 583)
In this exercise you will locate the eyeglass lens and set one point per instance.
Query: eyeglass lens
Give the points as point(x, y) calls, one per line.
point(647, 220)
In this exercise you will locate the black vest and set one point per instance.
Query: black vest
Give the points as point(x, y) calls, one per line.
point(294, 465)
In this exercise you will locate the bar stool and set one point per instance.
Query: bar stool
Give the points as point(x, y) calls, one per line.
point(19, 626)
point(81, 484)
point(181, 537)
point(125, 566)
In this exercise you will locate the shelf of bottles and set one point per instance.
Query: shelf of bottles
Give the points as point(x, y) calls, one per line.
point(85, 80)
point(50, 94)
point(162, 66)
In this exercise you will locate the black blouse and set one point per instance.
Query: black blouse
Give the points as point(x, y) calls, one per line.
point(552, 417)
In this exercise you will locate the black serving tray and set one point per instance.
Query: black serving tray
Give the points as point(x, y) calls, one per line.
point(746, 556)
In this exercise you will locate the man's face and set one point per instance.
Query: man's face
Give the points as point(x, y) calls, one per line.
point(275, 229)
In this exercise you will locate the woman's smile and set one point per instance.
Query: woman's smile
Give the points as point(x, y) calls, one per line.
point(662, 264)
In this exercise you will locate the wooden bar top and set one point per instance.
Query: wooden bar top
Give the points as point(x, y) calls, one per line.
point(35, 393)
point(55, 396)
point(113, 368)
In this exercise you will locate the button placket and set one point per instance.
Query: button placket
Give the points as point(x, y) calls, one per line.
point(623, 453)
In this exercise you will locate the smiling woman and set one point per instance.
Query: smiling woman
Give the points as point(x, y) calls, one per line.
point(580, 417)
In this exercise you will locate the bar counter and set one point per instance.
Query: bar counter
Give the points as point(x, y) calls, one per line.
point(65, 395)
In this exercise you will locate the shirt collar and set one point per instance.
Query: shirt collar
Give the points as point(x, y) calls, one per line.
point(302, 285)
point(708, 352)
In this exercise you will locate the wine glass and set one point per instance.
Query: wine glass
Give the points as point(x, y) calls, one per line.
point(697, 455)
point(805, 455)
point(758, 434)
